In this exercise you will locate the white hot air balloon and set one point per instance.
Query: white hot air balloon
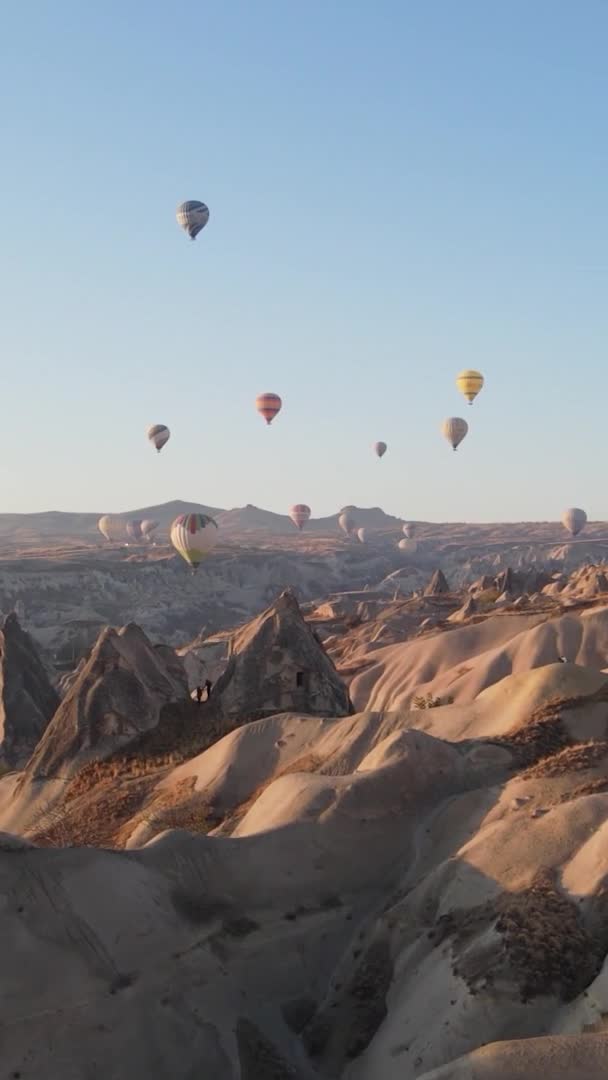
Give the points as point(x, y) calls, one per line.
point(105, 526)
point(299, 514)
point(574, 520)
point(454, 429)
point(362, 535)
point(407, 546)
point(148, 528)
point(158, 434)
point(346, 522)
point(409, 530)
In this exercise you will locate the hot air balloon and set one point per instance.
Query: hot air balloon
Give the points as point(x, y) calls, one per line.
point(148, 527)
point(105, 526)
point(346, 522)
point(299, 514)
point(134, 529)
point(268, 405)
point(194, 536)
point(574, 520)
point(469, 383)
point(158, 435)
point(380, 448)
point(409, 530)
point(408, 546)
point(192, 216)
point(361, 535)
point(454, 429)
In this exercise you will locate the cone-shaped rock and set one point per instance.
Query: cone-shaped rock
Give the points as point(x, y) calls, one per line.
point(27, 699)
point(438, 585)
point(469, 608)
point(504, 582)
point(276, 665)
point(118, 694)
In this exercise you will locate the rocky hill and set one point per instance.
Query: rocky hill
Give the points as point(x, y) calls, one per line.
point(268, 884)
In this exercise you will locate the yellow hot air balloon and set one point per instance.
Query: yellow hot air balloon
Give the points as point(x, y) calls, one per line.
point(469, 383)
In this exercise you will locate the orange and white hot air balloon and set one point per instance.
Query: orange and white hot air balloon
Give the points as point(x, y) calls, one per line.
point(268, 405)
point(299, 514)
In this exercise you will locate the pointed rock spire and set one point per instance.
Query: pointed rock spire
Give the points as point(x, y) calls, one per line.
point(438, 585)
point(117, 695)
point(27, 699)
point(276, 665)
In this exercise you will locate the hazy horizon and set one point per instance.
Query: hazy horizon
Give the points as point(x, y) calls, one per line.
point(395, 194)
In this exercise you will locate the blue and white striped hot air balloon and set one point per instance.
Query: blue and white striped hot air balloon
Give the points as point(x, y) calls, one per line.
point(192, 216)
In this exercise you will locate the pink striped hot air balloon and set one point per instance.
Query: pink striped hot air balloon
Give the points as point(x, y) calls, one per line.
point(299, 514)
point(268, 405)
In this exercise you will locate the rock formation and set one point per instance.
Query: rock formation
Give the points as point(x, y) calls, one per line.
point(438, 585)
point(27, 699)
point(276, 665)
point(117, 695)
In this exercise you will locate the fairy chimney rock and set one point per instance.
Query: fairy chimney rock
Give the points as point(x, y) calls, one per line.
point(117, 695)
point(27, 699)
point(438, 585)
point(276, 665)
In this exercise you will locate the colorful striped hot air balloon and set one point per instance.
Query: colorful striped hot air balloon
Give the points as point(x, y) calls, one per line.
point(194, 536)
point(380, 448)
point(158, 435)
point(268, 405)
point(469, 383)
point(299, 514)
point(454, 429)
point(574, 520)
point(192, 216)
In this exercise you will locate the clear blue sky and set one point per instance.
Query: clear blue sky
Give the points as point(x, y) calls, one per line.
point(397, 190)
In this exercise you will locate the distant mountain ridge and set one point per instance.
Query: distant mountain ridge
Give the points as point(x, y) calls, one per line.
point(61, 525)
point(54, 526)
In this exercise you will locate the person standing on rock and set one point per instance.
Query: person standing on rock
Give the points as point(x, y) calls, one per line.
point(199, 694)
point(208, 685)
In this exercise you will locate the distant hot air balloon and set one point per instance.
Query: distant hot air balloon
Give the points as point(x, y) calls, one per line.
point(158, 435)
point(299, 514)
point(268, 405)
point(133, 529)
point(454, 429)
point(192, 216)
point(362, 535)
point(469, 383)
point(574, 520)
point(148, 527)
point(194, 536)
point(409, 530)
point(408, 546)
point(105, 526)
point(346, 522)
point(380, 448)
